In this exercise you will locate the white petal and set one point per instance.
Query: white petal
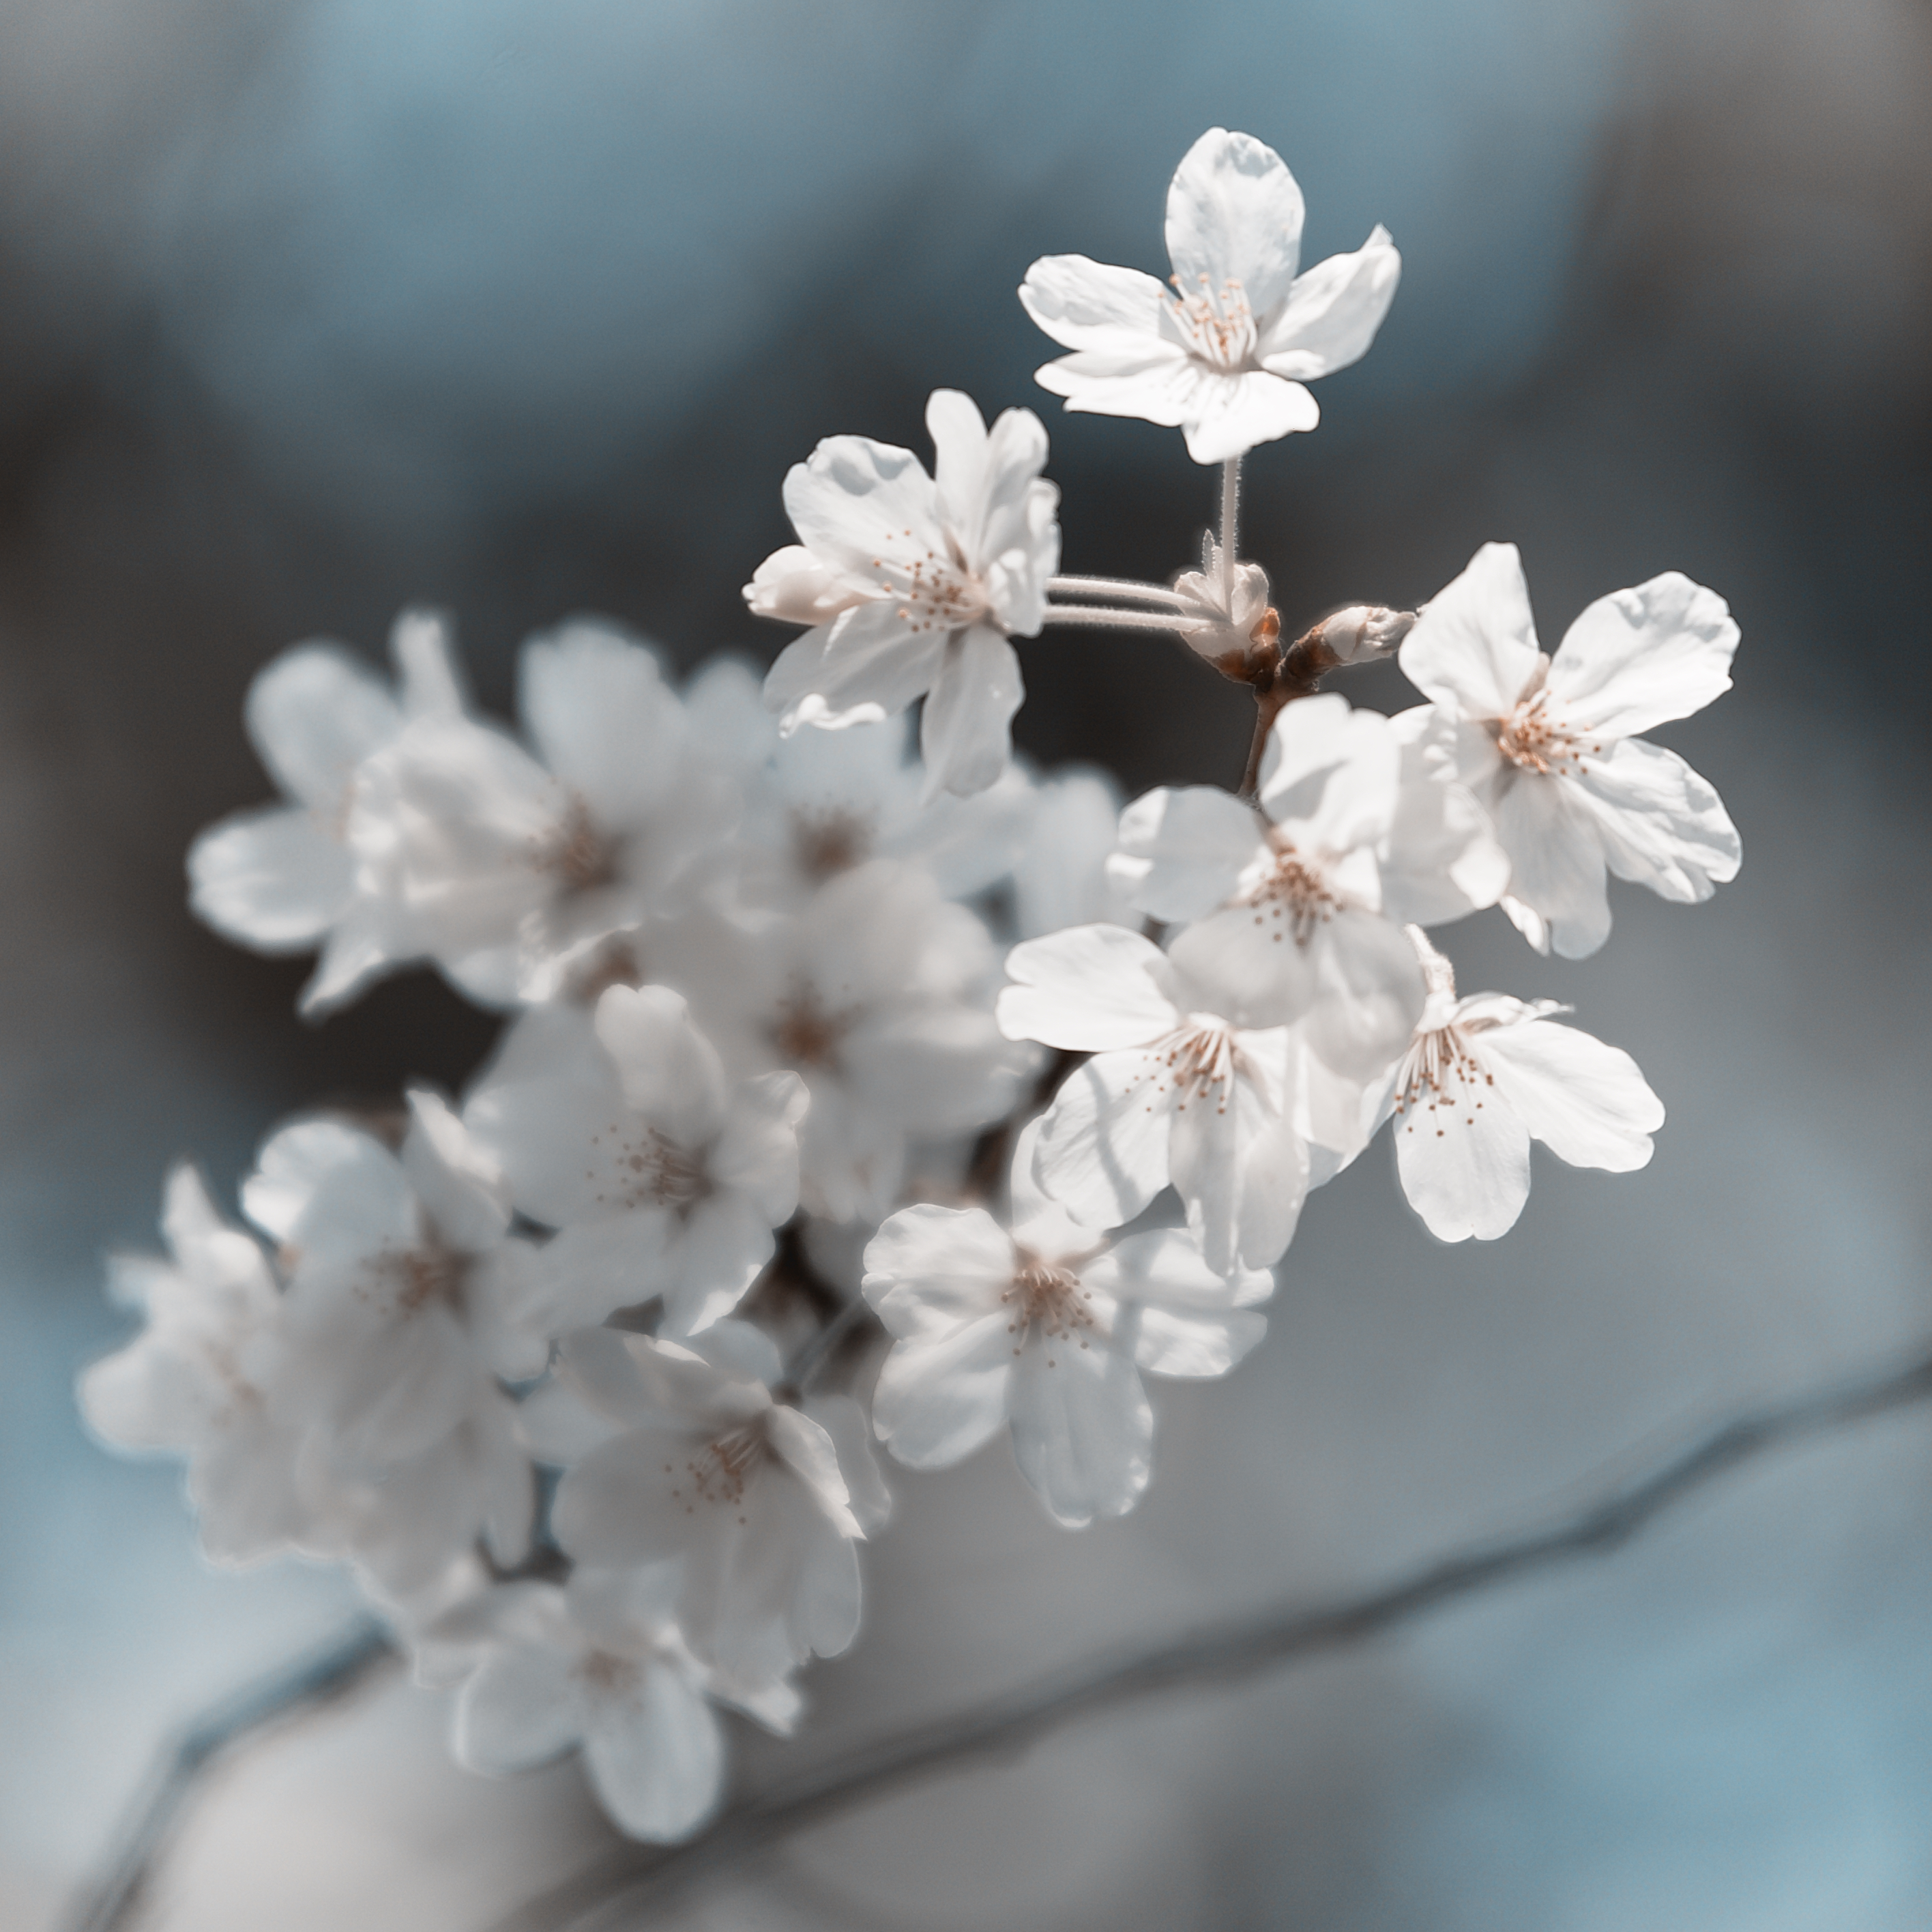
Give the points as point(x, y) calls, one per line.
point(1639, 657)
point(519, 1709)
point(1103, 1146)
point(320, 1185)
point(853, 500)
point(961, 469)
point(312, 716)
point(1160, 384)
point(275, 879)
point(930, 1268)
point(717, 1249)
point(463, 1190)
point(867, 664)
point(1090, 988)
point(1441, 860)
point(964, 732)
point(1227, 415)
point(1333, 311)
point(423, 651)
point(1662, 825)
point(1586, 1101)
point(1183, 849)
point(1083, 1431)
point(1330, 774)
point(844, 1422)
point(1556, 861)
point(671, 1073)
point(656, 1755)
point(1088, 305)
point(810, 1452)
point(757, 1153)
point(1235, 214)
point(1473, 648)
point(597, 709)
point(1464, 1160)
point(942, 1394)
point(1165, 1267)
point(1196, 1344)
point(795, 586)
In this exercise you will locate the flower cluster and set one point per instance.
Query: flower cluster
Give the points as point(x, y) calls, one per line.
point(849, 1093)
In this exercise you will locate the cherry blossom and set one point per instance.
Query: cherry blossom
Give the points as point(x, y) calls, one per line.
point(1177, 1090)
point(283, 878)
point(1046, 1330)
point(701, 1464)
point(509, 869)
point(193, 1382)
point(1483, 1077)
point(1062, 877)
point(665, 1177)
point(879, 995)
point(1546, 744)
point(599, 1663)
point(1296, 901)
point(913, 584)
point(1225, 354)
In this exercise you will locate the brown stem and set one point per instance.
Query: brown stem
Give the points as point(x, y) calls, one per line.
point(1277, 678)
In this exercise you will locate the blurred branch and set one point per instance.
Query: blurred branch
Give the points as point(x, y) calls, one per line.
point(636, 1878)
point(313, 1681)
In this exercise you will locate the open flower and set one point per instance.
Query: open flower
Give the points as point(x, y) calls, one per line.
point(913, 584)
point(1483, 1077)
point(599, 1663)
point(283, 878)
point(665, 1178)
point(1296, 901)
point(1176, 1090)
point(1546, 743)
point(1225, 353)
point(193, 1380)
point(701, 1464)
point(1045, 1329)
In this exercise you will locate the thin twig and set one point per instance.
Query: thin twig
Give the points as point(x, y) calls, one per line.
point(635, 1876)
point(1129, 588)
point(315, 1680)
point(1100, 616)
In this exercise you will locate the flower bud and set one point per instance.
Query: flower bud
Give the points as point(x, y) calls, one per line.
point(1363, 632)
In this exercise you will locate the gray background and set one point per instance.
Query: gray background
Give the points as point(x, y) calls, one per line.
point(308, 311)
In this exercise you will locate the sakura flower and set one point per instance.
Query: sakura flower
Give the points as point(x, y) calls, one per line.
point(1546, 744)
point(1225, 355)
point(193, 1382)
point(1177, 1090)
point(665, 1177)
point(1046, 1330)
point(878, 994)
point(407, 1294)
point(509, 869)
point(599, 1663)
point(701, 1463)
point(1061, 878)
point(1483, 1077)
point(283, 878)
point(1296, 900)
point(913, 584)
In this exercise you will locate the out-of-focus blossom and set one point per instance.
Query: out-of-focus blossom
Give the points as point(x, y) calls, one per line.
point(193, 1382)
point(283, 878)
point(1062, 877)
point(913, 583)
point(702, 1465)
point(1546, 743)
point(1046, 1330)
point(1483, 1077)
point(1226, 353)
point(665, 1177)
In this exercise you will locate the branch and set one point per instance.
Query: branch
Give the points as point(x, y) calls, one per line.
point(317, 1679)
point(637, 1876)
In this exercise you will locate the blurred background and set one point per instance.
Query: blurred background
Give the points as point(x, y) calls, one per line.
point(311, 307)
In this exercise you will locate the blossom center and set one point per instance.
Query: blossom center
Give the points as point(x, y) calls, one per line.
point(806, 1034)
point(1044, 1296)
point(1440, 1081)
point(717, 1473)
point(1196, 1063)
point(1532, 739)
point(935, 592)
point(1293, 895)
point(426, 1276)
point(654, 1171)
point(825, 843)
point(1216, 325)
point(604, 1671)
point(577, 853)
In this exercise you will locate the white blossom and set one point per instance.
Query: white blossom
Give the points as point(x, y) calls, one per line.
point(193, 1382)
point(1546, 743)
point(283, 878)
point(665, 1177)
point(1176, 1090)
point(1296, 901)
point(1046, 1330)
point(1483, 1077)
point(598, 1663)
point(701, 1464)
point(1226, 353)
point(879, 995)
point(1062, 878)
point(510, 869)
point(914, 584)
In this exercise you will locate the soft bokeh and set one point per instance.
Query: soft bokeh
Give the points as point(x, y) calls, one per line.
point(308, 311)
